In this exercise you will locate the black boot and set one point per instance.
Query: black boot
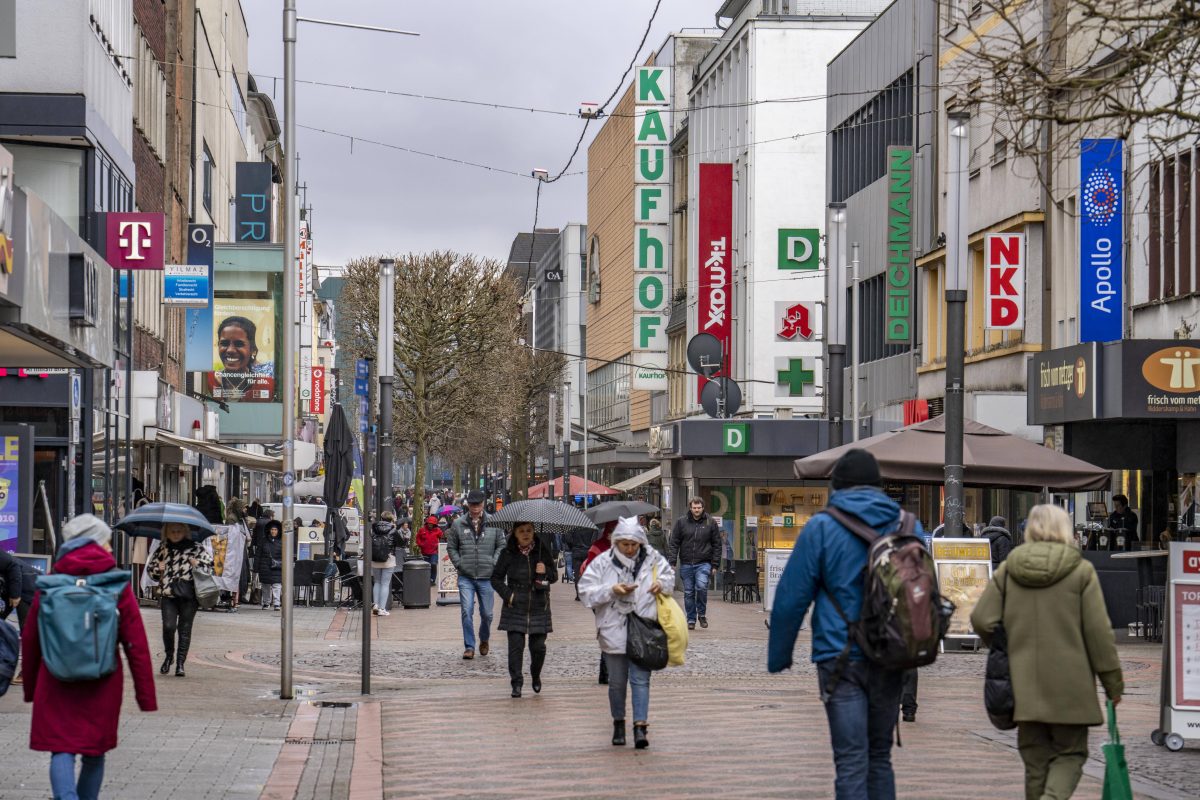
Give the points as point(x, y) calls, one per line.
point(516, 688)
point(537, 684)
point(639, 736)
point(166, 664)
point(618, 733)
point(179, 673)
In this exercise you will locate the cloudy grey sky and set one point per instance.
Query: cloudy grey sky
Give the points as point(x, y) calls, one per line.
point(541, 53)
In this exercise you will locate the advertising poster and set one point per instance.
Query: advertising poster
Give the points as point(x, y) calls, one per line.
point(715, 224)
point(447, 575)
point(244, 351)
point(1101, 240)
point(228, 548)
point(774, 561)
point(198, 325)
point(964, 567)
point(11, 493)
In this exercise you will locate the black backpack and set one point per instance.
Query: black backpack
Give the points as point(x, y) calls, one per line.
point(381, 546)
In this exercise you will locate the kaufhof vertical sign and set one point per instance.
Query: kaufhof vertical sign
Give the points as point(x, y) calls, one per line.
point(1101, 241)
point(899, 303)
point(651, 231)
point(1004, 281)
point(714, 232)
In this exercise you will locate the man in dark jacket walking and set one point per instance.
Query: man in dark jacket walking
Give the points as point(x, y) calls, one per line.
point(1001, 540)
point(826, 567)
point(696, 545)
point(474, 546)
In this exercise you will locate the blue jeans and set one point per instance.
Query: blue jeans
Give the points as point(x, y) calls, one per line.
point(865, 698)
point(568, 565)
point(621, 671)
point(468, 588)
point(432, 558)
point(62, 777)
point(381, 586)
point(695, 589)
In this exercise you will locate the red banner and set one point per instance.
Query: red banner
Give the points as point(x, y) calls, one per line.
point(715, 237)
point(316, 404)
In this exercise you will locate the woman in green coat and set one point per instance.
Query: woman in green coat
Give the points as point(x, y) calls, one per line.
point(1059, 640)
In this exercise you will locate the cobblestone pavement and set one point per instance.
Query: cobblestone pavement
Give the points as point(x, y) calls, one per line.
point(437, 726)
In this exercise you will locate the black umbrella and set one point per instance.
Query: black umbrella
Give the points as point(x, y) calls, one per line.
point(548, 516)
point(339, 470)
point(619, 509)
point(148, 520)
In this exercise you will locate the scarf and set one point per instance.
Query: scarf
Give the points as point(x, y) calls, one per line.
point(525, 550)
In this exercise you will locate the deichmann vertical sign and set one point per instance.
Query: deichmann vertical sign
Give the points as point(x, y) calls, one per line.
point(715, 237)
point(651, 215)
point(898, 309)
point(1004, 281)
point(1101, 240)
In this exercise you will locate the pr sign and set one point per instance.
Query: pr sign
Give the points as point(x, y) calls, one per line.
point(651, 213)
point(253, 204)
point(715, 237)
point(134, 240)
point(1004, 279)
point(1101, 240)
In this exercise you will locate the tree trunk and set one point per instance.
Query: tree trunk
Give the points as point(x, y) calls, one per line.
point(419, 465)
point(518, 476)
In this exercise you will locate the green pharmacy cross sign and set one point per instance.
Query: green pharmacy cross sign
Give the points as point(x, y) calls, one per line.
point(796, 377)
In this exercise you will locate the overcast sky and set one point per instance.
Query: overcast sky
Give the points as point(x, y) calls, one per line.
point(542, 53)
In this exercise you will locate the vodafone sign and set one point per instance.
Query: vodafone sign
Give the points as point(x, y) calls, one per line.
point(1004, 281)
point(316, 402)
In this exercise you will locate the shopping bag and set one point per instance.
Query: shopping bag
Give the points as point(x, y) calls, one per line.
point(1116, 771)
point(207, 590)
point(674, 623)
point(645, 642)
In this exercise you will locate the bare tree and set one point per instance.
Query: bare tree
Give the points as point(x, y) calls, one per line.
point(456, 331)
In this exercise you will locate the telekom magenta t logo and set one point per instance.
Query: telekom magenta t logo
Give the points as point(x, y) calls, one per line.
point(134, 241)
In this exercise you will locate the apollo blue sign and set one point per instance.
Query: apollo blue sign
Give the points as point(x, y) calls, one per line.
point(1101, 240)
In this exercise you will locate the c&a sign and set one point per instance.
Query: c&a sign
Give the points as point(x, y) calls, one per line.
point(134, 240)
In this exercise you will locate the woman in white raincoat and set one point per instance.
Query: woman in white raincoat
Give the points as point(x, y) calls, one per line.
point(621, 581)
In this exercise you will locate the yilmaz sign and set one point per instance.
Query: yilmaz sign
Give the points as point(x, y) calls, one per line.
point(651, 215)
point(898, 306)
point(1101, 241)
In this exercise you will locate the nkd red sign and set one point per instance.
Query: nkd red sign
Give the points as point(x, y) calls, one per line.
point(715, 237)
point(134, 240)
point(1004, 280)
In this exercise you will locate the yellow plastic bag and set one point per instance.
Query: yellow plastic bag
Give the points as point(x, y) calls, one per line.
point(674, 623)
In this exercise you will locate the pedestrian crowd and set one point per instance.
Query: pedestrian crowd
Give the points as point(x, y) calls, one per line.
point(862, 566)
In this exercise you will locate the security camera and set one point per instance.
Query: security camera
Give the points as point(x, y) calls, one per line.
point(541, 174)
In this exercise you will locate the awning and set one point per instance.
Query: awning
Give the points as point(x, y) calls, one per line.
point(229, 455)
point(639, 480)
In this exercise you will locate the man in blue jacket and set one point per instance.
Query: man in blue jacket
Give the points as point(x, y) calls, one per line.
point(830, 560)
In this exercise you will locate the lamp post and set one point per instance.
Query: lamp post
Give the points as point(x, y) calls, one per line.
point(957, 254)
point(835, 325)
point(855, 340)
point(287, 376)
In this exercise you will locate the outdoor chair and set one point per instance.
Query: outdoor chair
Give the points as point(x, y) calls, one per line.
point(349, 582)
point(318, 582)
point(745, 582)
point(302, 575)
point(726, 579)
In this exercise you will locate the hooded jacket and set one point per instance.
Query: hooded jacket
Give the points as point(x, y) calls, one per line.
point(82, 716)
point(385, 528)
point(1059, 633)
point(428, 538)
point(827, 559)
point(1001, 540)
point(269, 561)
point(595, 590)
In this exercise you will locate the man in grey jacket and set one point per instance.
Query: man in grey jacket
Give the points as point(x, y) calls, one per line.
point(474, 546)
point(696, 545)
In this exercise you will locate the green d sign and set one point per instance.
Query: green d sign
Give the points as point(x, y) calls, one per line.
point(735, 437)
point(799, 248)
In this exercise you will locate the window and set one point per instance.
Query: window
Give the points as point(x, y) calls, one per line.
point(872, 314)
point(999, 151)
point(150, 97)
point(237, 103)
point(207, 178)
point(860, 143)
point(1173, 222)
point(55, 174)
point(593, 282)
point(677, 375)
point(608, 397)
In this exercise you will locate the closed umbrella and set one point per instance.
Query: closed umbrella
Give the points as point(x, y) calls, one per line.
point(619, 509)
point(548, 516)
point(339, 470)
point(148, 520)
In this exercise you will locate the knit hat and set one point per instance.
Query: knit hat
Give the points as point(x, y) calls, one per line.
point(431, 520)
point(997, 522)
point(857, 467)
point(629, 530)
point(88, 526)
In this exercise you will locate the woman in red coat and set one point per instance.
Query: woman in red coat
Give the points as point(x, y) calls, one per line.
point(80, 717)
point(428, 538)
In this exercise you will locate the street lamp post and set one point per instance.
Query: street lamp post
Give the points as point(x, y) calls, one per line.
point(956, 312)
point(855, 340)
point(835, 324)
point(288, 377)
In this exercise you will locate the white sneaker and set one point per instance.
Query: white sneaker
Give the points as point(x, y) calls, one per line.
point(383, 612)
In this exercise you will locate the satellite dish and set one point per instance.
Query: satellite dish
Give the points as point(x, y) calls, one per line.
point(704, 354)
point(711, 397)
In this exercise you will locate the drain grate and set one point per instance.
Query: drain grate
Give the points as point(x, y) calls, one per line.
point(332, 704)
point(315, 741)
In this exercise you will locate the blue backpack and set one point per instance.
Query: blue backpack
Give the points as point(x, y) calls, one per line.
point(78, 622)
point(10, 649)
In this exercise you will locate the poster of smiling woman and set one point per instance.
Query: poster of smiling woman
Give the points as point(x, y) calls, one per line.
point(244, 350)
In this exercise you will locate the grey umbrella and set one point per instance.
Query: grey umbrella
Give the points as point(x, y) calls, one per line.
point(339, 470)
point(618, 509)
point(548, 516)
point(148, 520)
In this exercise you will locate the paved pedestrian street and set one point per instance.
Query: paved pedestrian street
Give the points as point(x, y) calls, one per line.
point(436, 726)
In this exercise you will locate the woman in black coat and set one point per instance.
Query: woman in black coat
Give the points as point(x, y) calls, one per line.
point(269, 563)
point(522, 577)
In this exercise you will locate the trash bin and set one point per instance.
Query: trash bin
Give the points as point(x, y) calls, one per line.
point(416, 583)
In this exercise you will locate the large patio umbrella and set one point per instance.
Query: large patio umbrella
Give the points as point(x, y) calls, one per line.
point(339, 470)
point(917, 454)
point(578, 486)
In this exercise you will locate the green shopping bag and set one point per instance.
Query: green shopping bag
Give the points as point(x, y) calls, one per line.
point(1116, 771)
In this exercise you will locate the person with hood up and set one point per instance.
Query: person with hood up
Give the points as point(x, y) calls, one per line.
point(1001, 540)
point(601, 544)
point(1059, 639)
point(428, 539)
point(81, 717)
point(522, 577)
point(826, 569)
point(618, 583)
point(208, 503)
point(382, 571)
point(269, 564)
point(171, 566)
